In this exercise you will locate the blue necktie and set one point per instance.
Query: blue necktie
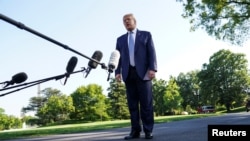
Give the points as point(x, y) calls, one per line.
point(131, 45)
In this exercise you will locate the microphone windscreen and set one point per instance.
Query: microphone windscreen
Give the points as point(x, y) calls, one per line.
point(114, 59)
point(71, 64)
point(19, 78)
point(97, 56)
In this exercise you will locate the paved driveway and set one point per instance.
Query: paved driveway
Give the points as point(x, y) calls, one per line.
point(188, 130)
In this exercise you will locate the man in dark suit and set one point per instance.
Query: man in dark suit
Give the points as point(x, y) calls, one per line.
point(137, 67)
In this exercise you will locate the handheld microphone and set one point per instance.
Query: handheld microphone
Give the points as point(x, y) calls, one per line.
point(70, 67)
point(17, 78)
point(92, 64)
point(113, 62)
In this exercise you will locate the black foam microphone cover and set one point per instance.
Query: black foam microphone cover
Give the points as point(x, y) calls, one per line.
point(71, 64)
point(97, 56)
point(19, 78)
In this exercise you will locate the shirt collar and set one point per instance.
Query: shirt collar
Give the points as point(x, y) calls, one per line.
point(134, 31)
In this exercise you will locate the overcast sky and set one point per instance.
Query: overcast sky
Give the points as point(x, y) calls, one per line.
point(87, 26)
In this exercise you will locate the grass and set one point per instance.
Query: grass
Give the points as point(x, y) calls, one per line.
point(85, 127)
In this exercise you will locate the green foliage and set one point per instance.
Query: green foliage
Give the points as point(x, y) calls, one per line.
point(9, 121)
point(89, 103)
point(1, 111)
point(159, 89)
point(51, 106)
point(172, 98)
point(189, 89)
point(223, 80)
point(222, 19)
point(190, 110)
point(118, 108)
point(38, 101)
point(57, 108)
point(220, 107)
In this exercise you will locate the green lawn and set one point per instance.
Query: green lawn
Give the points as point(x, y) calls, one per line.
point(84, 127)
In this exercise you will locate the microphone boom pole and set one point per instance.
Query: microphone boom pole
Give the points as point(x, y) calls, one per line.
point(22, 26)
point(27, 85)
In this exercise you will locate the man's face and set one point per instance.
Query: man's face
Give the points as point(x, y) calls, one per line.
point(129, 22)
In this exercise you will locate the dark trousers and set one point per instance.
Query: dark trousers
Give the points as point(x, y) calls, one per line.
point(140, 102)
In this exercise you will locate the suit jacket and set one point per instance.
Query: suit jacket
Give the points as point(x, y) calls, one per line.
point(145, 55)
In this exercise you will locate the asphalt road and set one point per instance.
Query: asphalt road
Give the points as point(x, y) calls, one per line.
point(187, 130)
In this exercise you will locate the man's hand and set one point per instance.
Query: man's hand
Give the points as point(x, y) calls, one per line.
point(151, 74)
point(118, 77)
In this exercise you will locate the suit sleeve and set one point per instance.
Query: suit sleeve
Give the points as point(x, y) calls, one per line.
point(118, 70)
point(151, 54)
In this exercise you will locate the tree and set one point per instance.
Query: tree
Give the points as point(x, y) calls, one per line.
point(118, 108)
point(172, 98)
point(3, 119)
point(57, 108)
point(9, 121)
point(39, 104)
point(1, 111)
point(35, 103)
point(226, 20)
point(159, 89)
point(189, 89)
point(224, 79)
point(88, 102)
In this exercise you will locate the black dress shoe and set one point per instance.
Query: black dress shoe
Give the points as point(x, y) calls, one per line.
point(148, 135)
point(132, 135)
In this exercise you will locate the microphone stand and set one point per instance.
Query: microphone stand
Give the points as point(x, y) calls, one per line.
point(21, 88)
point(110, 70)
point(37, 82)
point(109, 75)
point(22, 26)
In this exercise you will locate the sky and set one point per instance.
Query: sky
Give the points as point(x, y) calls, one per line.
point(87, 26)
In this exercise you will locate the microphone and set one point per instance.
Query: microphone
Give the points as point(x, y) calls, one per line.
point(70, 67)
point(113, 62)
point(17, 78)
point(92, 64)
